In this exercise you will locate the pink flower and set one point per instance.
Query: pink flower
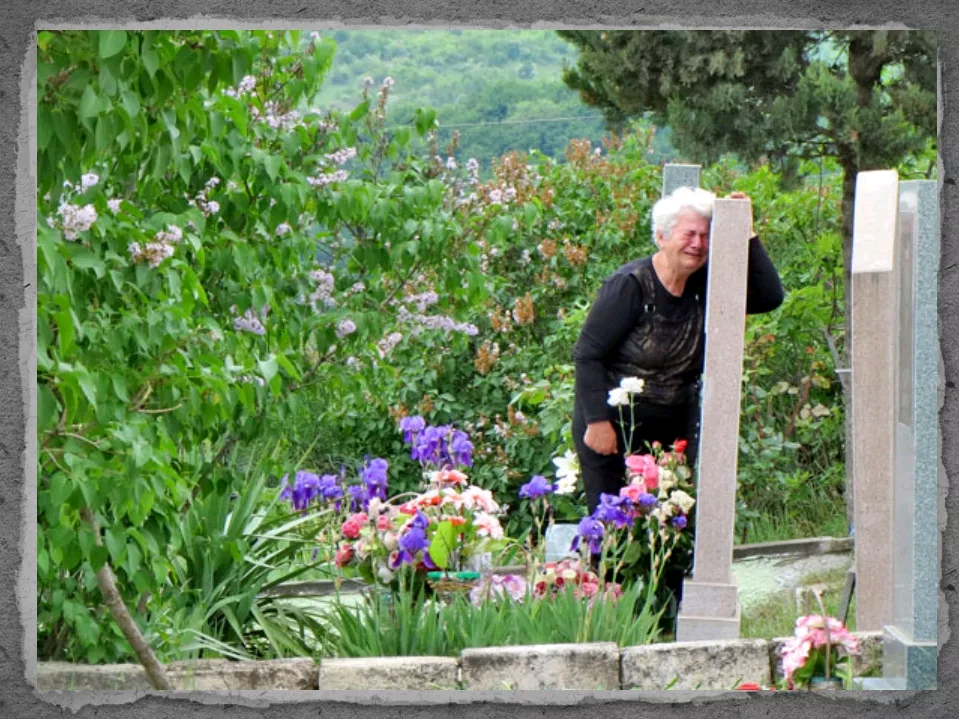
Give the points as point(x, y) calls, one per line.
point(383, 522)
point(351, 528)
point(487, 526)
point(633, 491)
point(645, 467)
point(588, 589)
point(449, 477)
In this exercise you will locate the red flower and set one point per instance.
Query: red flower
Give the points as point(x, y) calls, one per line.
point(748, 686)
point(344, 555)
point(680, 446)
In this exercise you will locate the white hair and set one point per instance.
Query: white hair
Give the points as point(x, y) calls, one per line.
point(666, 209)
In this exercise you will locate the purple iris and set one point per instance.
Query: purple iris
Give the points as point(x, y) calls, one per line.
point(374, 474)
point(411, 426)
point(428, 447)
point(359, 497)
point(591, 530)
point(610, 510)
point(411, 542)
point(330, 487)
point(537, 487)
point(679, 522)
point(461, 449)
point(305, 487)
point(646, 501)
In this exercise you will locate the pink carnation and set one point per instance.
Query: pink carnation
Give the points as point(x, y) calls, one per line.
point(645, 467)
point(633, 491)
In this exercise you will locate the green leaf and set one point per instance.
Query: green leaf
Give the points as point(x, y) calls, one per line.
point(272, 165)
point(131, 102)
point(268, 367)
point(150, 62)
point(360, 111)
point(44, 128)
point(85, 260)
point(443, 543)
point(90, 104)
point(112, 42)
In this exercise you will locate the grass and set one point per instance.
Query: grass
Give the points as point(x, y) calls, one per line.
point(777, 616)
point(767, 528)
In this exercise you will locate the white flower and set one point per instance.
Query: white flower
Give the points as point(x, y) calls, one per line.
point(667, 478)
point(282, 229)
point(88, 180)
point(566, 485)
point(618, 396)
point(682, 500)
point(568, 470)
point(114, 205)
point(632, 385)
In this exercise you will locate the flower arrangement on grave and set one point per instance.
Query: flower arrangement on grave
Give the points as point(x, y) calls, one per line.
point(447, 527)
point(819, 646)
point(645, 529)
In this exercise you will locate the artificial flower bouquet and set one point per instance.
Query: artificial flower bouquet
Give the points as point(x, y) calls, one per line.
point(819, 645)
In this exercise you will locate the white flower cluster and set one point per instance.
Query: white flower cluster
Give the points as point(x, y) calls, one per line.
point(114, 205)
point(249, 322)
point(620, 395)
point(275, 118)
point(346, 327)
point(245, 87)
point(324, 179)
point(282, 229)
point(207, 207)
point(323, 294)
point(339, 157)
point(159, 250)
point(388, 343)
point(422, 300)
point(75, 219)
point(88, 180)
point(435, 322)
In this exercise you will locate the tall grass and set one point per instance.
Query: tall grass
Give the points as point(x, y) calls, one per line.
point(408, 623)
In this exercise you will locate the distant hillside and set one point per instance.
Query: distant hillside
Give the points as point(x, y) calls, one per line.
point(502, 89)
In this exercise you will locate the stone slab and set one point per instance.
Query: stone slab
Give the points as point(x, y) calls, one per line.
point(209, 675)
point(874, 321)
point(388, 673)
point(587, 666)
point(709, 600)
point(693, 628)
point(912, 663)
point(679, 175)
point(715, 665)
point(558, 539)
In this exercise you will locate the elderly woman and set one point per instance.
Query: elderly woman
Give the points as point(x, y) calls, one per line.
point(648, 322)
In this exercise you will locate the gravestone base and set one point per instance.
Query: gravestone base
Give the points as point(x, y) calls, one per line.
point(691, 628)
point(908, 662)
point(709, 611)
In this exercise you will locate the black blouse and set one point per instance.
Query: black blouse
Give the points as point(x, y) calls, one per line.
point(636, 327)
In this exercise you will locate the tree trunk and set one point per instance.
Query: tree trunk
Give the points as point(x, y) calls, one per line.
point(118, 610)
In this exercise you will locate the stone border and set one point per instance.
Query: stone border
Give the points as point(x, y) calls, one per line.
point(706, 665)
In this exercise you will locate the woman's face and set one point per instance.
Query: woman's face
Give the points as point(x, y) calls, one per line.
point(686, 246)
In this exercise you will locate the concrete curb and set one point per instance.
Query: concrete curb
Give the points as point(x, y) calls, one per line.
point(708, 665)
point(803, 546)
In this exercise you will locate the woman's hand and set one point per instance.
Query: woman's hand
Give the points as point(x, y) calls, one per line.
point(737, 195)
point(601, 438)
